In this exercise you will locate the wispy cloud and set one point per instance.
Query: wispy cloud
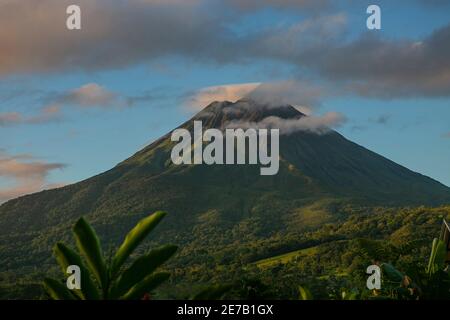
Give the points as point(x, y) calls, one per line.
point(47, 114)
point(254, 5)
point(303, 95)
point(315, 124)
point(10, 118)
point(94, 95)
point(89, 95)
point(288, 92)
point(228, 92)
point(27, 174)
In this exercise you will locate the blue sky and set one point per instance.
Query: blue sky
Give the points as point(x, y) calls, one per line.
point(74, 105)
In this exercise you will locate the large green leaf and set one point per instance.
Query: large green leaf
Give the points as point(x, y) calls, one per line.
point(145, 286)
point(441, 255)
point(141, 268)
point(432, 256)
point(89, 246)
point(57, 291)
point(304, 293)
point(66, 257)
point(437, 257)
point(134, 238)
point(391, 273)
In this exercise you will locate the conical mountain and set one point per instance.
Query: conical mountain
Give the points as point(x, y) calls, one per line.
point(212, 199)
point(314, 163)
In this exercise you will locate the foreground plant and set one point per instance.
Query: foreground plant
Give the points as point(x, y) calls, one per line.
point(431, 283)
point(102, 280)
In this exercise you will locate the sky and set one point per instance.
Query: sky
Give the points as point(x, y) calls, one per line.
point(74, 103)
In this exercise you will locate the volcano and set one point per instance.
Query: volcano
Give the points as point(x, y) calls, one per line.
point(313, 167)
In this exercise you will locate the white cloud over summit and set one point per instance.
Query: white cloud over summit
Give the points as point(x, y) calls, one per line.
point(227, 92)
point(314, 124)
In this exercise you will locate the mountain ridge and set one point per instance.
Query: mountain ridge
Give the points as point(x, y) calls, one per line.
point(214, 116)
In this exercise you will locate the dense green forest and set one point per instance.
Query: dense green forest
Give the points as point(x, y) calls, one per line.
point(329, 254)
point(327, 259)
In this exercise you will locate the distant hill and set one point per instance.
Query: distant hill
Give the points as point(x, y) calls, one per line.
point(316, 171)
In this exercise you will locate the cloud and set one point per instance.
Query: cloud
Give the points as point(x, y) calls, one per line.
point(303, 95)
point(368, 66)
point(93, 95)
point(288, 43)
point(114, 34)
point(10, 118)
point(200, 30)
point(254, 5)
point(375, 67)
point(27, 174)
point(304, 109)
point(229, 92)
point(121, 33)
point(89, 95)
point(47, 114)
point(315, 124)
point(319, 5)
point(288, 92)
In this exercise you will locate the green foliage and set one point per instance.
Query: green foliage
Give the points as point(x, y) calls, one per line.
point(66, 257)
point(395, 285)
point(328, 259)
point(391, 273)
point(437, 257)
point(145, 285)
point(349, 294)
point(305, 294)
point(432, 282)
point(88, 245)
point(134, 238)
point(141, 268)
point(114, 282)
point(57, 291)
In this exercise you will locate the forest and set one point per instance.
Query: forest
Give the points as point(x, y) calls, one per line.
point(329, 260)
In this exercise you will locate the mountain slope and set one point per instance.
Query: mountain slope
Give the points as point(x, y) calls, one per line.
point(210, 199)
